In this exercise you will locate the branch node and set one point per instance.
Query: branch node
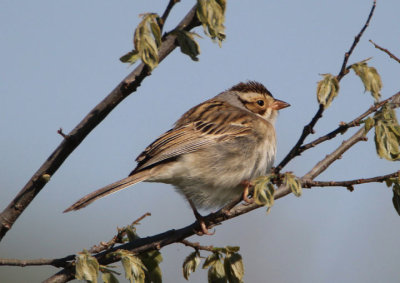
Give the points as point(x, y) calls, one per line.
point(61, 133)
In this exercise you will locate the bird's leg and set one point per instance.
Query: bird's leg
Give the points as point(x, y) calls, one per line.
point(247, 185)
point(200, 218)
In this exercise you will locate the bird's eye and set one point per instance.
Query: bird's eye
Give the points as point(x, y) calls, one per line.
point(260, 102)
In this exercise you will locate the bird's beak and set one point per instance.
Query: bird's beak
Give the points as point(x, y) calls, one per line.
point(279, 104)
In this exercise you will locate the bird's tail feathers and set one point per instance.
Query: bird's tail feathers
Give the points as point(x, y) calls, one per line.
point(112, 188)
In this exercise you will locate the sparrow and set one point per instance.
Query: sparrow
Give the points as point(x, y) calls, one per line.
point(213, 151)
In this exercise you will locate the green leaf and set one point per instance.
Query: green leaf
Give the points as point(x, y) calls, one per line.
point(130, 57)
point(151, 261)
point(264, 191)
point(216, 273)
point(211, 14)
point(368, 124)
point(190, 264)
point(131, 233)
point(396, 197)
point(369, 77)
point(234, 268)
point(146, 40)
point(188, 44)
point(293, 183)
point(155, 30)
point(211, 259)
point(387, 134)
point(108, 277)
point(133, 266)
point(327, 89)
point(86, 267)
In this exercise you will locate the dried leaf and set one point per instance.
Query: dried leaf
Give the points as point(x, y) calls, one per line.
point(369, 77)
point(211, 14)
point(190, 264)
point(387, 134)
point(86, 267)
point(327, 89)
point(264, 191)
point(293, 183)
point(188, 44)
point(234, 268)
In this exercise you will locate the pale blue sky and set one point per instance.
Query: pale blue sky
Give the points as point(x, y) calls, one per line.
point(60, 58)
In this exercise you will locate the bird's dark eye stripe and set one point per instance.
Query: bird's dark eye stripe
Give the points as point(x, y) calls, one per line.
point(260, 102)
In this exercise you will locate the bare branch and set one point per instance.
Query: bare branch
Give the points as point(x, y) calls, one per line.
point(118, 238)
point(79, 133)
point(345, 126)
point(386, 51)
point(165, 15)
point(377, 179)
point(329, 159)
point(197, 246)
point(344, 70)
point(57, 262)
point(309, 128)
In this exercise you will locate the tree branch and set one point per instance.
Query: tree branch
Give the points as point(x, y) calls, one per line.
point(79, 133)
point(343, 70)
point(165, 15)
point(345, 126)
point(310, 183)
point(58, 262)
point(386, 51)
point(197, 246)
point(309, 128)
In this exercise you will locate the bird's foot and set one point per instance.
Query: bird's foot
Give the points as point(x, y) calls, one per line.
point(247, 185)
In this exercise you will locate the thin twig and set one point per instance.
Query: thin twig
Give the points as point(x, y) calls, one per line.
point(386, 51)
point(377, 179)
point(343, 127)
point(309, 128)
point(57, 262)
point(329, 159)
point(137, 221)
point(165, 15)
point(197, 246)
point(343, 70)
point(118, 238)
